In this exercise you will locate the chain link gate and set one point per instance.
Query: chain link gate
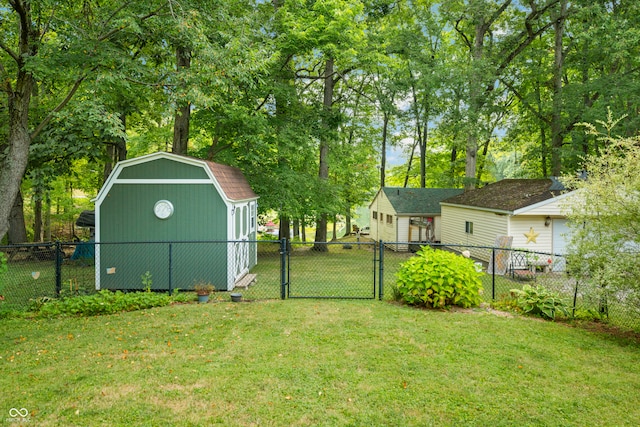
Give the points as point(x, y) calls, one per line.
point(333, 270)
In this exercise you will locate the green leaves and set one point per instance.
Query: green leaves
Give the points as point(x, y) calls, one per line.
point(436, 278)
point(104, 302)
point(539, 301)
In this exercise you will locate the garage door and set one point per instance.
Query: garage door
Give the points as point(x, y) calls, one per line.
point(561, 233)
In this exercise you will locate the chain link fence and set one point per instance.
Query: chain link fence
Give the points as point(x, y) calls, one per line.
point(360, 269)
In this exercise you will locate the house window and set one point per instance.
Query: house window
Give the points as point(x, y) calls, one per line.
point(381, 217)
point(389, 219)
point(468, 227)
point(375, 215)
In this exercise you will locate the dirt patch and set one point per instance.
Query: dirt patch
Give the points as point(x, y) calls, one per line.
point(484, 308)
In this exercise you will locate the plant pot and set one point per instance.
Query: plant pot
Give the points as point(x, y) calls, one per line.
point(236, 297)
point(202, 299)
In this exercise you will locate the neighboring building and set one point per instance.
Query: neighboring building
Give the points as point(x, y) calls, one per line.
point(163, 197)
point(529, 210)
point(407, 214)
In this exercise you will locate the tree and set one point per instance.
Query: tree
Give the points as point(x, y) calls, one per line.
point(67, 42)
point(495, 34)
point(605, 220)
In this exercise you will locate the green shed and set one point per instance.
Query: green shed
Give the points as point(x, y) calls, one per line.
point(182, 220)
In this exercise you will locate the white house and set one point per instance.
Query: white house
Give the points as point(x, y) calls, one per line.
point(407, 214)
point(529, 210)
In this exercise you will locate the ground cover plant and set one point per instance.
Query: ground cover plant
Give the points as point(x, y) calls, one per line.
point(310, 362)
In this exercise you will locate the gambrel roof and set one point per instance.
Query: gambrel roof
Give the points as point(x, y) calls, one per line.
point(510, 195)
point(229, 181)
point(232, 181)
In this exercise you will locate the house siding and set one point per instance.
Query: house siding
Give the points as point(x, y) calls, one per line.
point(380, 230)
point(486, 227)
point(522, 224)
point(437, 228)
point(554, 209)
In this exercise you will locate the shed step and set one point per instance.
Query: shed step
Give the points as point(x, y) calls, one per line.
point(246, 281)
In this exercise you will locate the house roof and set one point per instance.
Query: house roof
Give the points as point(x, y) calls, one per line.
point(424, 201)
point(232, 181)
point(510, 194)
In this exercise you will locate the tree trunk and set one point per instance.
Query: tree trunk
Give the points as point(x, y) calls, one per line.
point(47, 219)
point(284, 231)
point(409, 165)
point(116, 151)
point(557, 138)
point(14, 163)
point(383, 154)
point(475, 104)
point(108, 164)
point(183, 113)
point(303, 231)
point(335, 229)
point(296, 228)
point(37, 213)
point(323, 172)
point(423, 152)
point(17, 228)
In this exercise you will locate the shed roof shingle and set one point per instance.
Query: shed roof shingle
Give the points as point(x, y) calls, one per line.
point(509, 194)
point(233, 182)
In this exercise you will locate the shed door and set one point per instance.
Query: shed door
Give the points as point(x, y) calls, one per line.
point(561, 234)
point(241, 246)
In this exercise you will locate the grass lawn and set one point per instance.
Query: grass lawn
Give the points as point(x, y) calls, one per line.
point(311, 362)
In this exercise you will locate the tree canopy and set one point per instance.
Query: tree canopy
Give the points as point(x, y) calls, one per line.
point(308, 98)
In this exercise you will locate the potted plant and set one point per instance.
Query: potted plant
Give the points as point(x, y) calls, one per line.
point(203, 290)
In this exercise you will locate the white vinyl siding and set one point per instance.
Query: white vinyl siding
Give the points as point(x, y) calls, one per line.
point(401, 224)
point(380, 229)
point(486, 227)
point(522, 224)
point(551, 209)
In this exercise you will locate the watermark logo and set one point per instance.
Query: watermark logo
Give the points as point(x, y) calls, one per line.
point(18, 415)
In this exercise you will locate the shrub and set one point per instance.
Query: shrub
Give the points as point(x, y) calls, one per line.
point(539, 301)
point(436, 278)
point(103, 302)
point(204, 288)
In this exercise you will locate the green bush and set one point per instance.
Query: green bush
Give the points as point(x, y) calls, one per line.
point(103, 302)
point(436, 278)
point(539, 301)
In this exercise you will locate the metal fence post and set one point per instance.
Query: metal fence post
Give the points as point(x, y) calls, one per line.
point(58, 247)
point(575, 299)
point(170, 268)
point(493, 274)
point(381, 271)
point(283, 265)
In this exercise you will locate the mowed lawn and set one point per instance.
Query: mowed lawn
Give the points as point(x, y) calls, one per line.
point(314, 362)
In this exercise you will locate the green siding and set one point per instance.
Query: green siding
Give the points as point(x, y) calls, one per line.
point(191, 263)
point(163, 169)
point(126, 215)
